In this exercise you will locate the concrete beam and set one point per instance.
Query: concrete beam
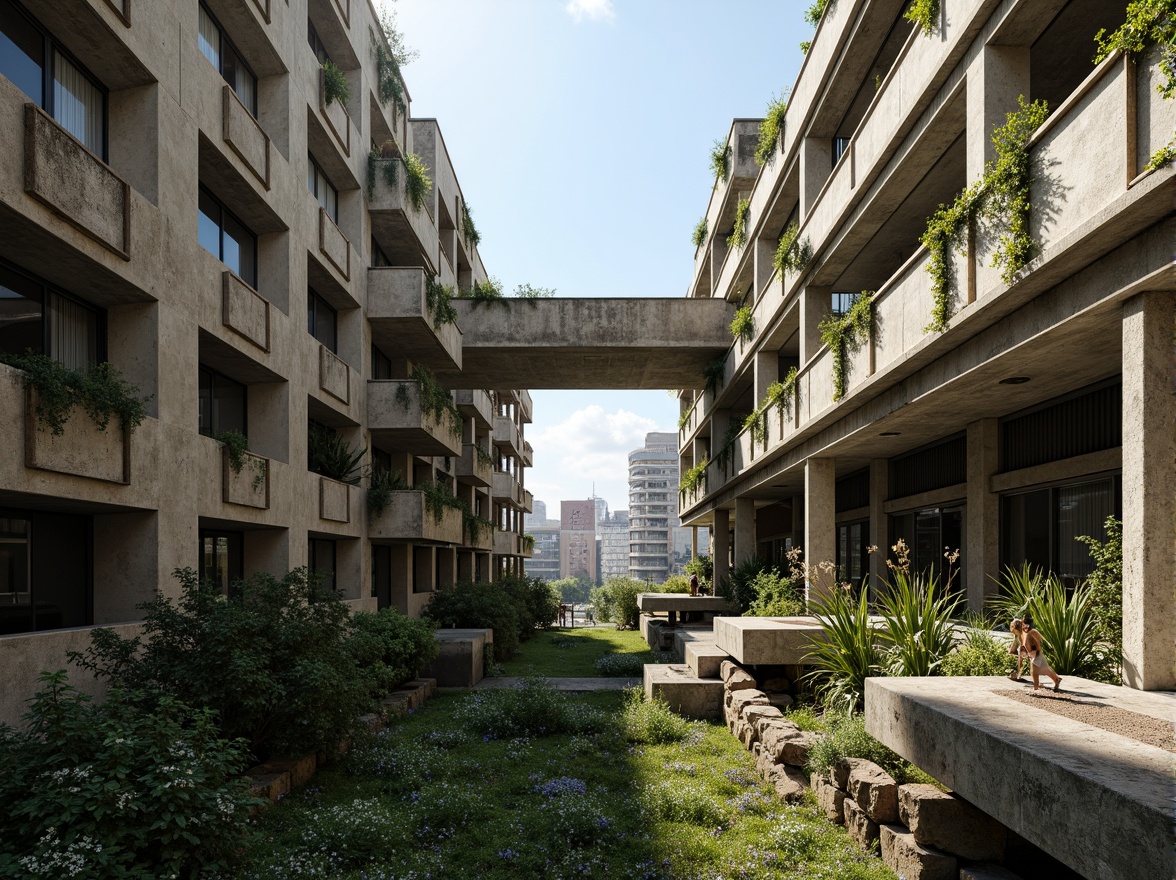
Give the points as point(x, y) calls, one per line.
point(637, 343)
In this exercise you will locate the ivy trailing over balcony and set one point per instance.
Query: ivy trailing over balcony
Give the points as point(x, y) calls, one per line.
point(382, 483)
point(738, 236)
point(780, 395)
point(999, 201)
point(770, 129)
point(469, 231)
point(845, 335)
point(720, 161)
point(527, 542)
point(436, 402)
point(484, 457)
point(792, 255)
point(335, 85)
point(475, 525)
point(1149, 23)
point(439, 499)
point(389, 81)
point(713, 372)
point(692, 480)
point(743, 324)
point(386, 159)
point(924, 14)
point(812, 16)
point(99, 390)
point(734, 429)
point(236, 445)
point(438, 300)
point(698, 237)
point(417, 183)
point(684, 418)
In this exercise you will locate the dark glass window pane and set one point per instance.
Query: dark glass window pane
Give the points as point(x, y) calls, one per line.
point(21, 325)
point(1081, 510)
point(240, 250)
point(22, 53)
point(73, 331)
point(228, 405)
point(205, 405)
point(237, 75)
point(209, 224)
point(78, 105)
point(322, 561)
point(209, 39)
point(322, 321)
point(381, 365)
point(222, 558)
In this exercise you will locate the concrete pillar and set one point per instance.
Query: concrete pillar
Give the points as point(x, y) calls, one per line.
point(815, 304)
point(879, 522)
point(816, 164)
point(744, 530)
point(763, 254)
point(820, 521)
point(722, 550)
point(767, 371)
point(1149, 491)
point(997, 76)
point(982, 537)
point(694, 542)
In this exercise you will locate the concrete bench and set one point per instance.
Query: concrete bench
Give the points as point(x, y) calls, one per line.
point(461, 659)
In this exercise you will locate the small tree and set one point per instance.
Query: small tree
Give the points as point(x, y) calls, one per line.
point(1106, 590)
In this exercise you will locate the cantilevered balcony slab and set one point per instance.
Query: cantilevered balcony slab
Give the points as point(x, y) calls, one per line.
point(506, 488)
point(396, 220)
point(398, 422)
point(398, 309)
point(1098, 801)
point(591, 343)
point(408, 518)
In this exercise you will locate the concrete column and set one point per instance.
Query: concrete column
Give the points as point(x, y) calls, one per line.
point(820, 520)
point(767, 371)
point(763, 253)
point(744, 529)
point(1149, 491)
point(997, 76)
point(722, 550)
point(879, 522)
point(816, 164)
point(815, 304)
point(694, 542)
point(982, 538)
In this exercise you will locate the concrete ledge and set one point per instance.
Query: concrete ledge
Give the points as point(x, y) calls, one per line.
point(460, 660)
point(689, 635)
point(753, 641)
point(705, 658)
point(681, 602)
point(686, 695)
point(1099, 802)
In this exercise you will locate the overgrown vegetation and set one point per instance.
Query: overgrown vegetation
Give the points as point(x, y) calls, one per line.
point(435, 401)
point(651, 722)
point(693, 479)
point(743, 324)
point(236, 446)
point(469, 231)
point(720, 160)
point(513, 606)
point(727, 445)
point(792, 255)
point(390, 53)
point(439, 301)
point(713, 373)
point(381, 484)
point(99, 390)
point(924, 14)
point(330, 455)
point(849, 652)
point(770, 129)
point(738, 236)
point(417, 184)
point(486, 293)
point(998, 202)
point(1106, 595)
point(846, 737)
point(779, 395)
point(845, 336)
point(812, 16)
point(616, 601)
point(335, 85)
point(531, 291)
point(698, 237)
point(387, 160)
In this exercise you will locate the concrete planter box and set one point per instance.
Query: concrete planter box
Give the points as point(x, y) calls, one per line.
point(334, 500)
point(336, 116)
point(485, 542)
point(398, 310)
point(475, 404)
point(251, 486)
point(244, 136)
point(82, 450)
point(397, 421)
point(460, 658)
point(245, 311)
point(406, 518)
point(472, 469)
point(75, 184)
point(333, 245)
point(507, 487)
point(506, 433)
point(334, 375)
point(506, 543)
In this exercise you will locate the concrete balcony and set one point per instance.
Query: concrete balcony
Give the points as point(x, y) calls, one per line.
point(334, 500)
point(407, 518)
point(507, 435)
point(398, 309)
point(245, 311)
point(334, 375)
point(249, 486)
point(82, 449)
point(395, 219)
point(506, 488)
point(527, 454)
point(507, 544)
point(473, 468)
point(398, 422)
point(526, 405)
point(528, 501)
point(334, 248)
point(244, 136)
point(483, 541)
point(334, 114)
point(475, 404)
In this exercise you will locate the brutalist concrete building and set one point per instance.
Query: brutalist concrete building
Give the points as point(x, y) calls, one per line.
point(953, 408)
point(190, 192)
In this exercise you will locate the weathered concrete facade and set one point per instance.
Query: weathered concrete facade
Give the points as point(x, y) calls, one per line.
point(307, 224)
point(1045, 405)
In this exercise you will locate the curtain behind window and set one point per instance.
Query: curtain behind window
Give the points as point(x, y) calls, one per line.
point(73, 332)
point(77, 104)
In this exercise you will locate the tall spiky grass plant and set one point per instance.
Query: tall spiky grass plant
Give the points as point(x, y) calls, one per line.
point(1069, 626)
point(919, 626)
point(848, 652)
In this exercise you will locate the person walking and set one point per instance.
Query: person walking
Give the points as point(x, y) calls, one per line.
point(1017, 647)
point(693, 584)
point(1038, 665)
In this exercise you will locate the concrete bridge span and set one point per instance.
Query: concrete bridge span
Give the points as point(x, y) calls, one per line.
point(634, 343)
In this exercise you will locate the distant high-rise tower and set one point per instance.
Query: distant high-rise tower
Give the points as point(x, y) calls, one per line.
point(577, 539)
point(653, 506)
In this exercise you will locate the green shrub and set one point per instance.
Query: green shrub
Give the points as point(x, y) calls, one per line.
point(847, 738)
point(769, 130)
point(981, 653)
point(137, 788)
point(513, 606)
point(533, 709)
point(848, 653)
point(1106, 593)
point(573, 590)
point(390, 648)
point(675, 583)
point(539, 600)
point(417, 183)
point(99, 390)
point(329, 455)
point(335, 85)
point(651, 721)
point(272, 659)
point(704, 568)
point(698, 236)
point(775, 595)
point(739, 587)
point(616, 601)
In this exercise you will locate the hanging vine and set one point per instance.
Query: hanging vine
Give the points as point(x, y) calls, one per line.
point(699, 234)
point(924, 13)
point(469, 231)
point(791, 254)
point(720, 160)
point(734, 429)
point(845, 335)
point(692, 480)
point(713, 374)
point(770, 129)
point(438, 300)
point(743, 324)
point(738, 236)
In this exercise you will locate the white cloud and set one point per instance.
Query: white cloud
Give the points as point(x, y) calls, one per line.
point(593, 10)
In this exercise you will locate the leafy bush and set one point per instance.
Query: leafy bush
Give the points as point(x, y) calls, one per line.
point(1106, 593)
point(981, 653)
point(704, 567)
point(335, 85)
point(847, 738)
point(769, 130)
point(533, 709)
point(918, 624)
point(539, 600)
point(513, 606)
point(739, 587)
point(272, 660)
point(675, 583)
point(391, 648)
point(99, 390)
point(136, 788)
point(616, 601)
point(775, 595)
point(651, 721)
point(417, 183)
point(720, 160)
point(698, 236)
point(572, 590)
point(848, 653)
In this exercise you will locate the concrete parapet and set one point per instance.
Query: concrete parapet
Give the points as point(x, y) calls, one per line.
point(766, 640)
point(687, 695)
point(459, 660)
point(689, 635)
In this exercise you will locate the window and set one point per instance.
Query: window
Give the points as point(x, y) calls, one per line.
point(316, 45)
point(15, 581)
point(227, 238)
point(381, 364)
point(222, 558)
point(379, 258)
point(36, 65)
point(843, 302)
point(37, 317)
point(840, 145)
point(321, 189)
point(852, 560)
point(222, 404)
point(929, 535)
point(321, 320)
point(321, 561)
point(44, 571)
point(221, 54)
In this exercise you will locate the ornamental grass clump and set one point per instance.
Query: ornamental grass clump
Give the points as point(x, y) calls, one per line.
point(849, 652)
point(651, 722)
point(919, 632)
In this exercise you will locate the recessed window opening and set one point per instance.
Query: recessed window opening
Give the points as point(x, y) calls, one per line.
point(321, 320)
point(315, 43)
point(321, 189)
point(842, 302)
point(227, 238)
point(222, 559)
point(222, 404)
point(222, 55)
point(321, 561)
point(37, 317)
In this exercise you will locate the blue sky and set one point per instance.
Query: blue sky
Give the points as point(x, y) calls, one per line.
point(580, 133)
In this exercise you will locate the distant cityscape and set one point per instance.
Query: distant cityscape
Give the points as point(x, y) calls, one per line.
point(646, 542)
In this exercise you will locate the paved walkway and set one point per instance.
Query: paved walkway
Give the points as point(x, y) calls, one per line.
point(562, 684)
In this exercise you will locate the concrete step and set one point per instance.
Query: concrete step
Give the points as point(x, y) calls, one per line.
point(705, 658)
point(693, 633)
point(686, 694)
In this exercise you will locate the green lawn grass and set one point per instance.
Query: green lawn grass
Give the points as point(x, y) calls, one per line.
point(573, 653)
point(435, 797)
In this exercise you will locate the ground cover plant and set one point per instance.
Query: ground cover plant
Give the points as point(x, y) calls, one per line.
point(458, 788)
point(587, 652)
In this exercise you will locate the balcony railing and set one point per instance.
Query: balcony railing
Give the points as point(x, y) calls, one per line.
point(409, 518)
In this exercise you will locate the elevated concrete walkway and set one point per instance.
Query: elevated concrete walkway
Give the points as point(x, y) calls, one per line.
point(1097, 801)
point(638, 343)
point(753, 641)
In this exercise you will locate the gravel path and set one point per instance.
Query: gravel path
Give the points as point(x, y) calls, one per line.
point(1142, 728)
